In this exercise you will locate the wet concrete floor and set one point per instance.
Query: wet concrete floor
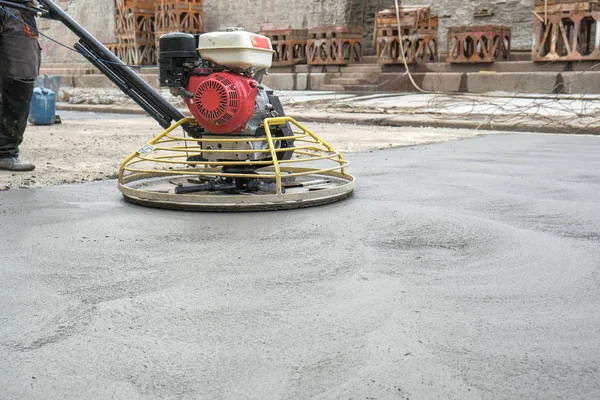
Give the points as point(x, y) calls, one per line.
point(468, 269)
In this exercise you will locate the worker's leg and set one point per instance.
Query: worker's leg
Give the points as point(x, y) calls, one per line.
point(19, 67)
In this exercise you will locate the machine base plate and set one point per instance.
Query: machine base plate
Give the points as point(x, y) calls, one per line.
point(304, 191)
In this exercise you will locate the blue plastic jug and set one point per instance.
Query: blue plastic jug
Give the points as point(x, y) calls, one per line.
point(43, 107)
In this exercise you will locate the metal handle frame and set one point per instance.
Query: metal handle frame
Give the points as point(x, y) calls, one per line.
point(123, 76)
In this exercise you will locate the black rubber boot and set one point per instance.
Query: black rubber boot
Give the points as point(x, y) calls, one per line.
point(16, 98)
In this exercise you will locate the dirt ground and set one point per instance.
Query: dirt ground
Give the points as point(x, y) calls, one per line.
point(90, 148)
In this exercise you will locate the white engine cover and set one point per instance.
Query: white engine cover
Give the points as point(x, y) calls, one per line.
point(236, 49)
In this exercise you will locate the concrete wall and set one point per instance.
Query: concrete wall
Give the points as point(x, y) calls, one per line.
point(97, 17)
point(94, 15)
point(281, 13)
point(363, 13)
point(514, 13)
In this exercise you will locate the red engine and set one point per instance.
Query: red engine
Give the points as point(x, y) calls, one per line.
point(223, 102)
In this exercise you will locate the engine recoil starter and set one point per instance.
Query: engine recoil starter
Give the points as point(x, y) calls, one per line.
point(223, 102)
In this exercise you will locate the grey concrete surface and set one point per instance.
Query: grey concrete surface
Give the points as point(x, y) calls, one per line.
point(460, 270)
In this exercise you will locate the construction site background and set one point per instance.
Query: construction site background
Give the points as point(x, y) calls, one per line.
point(551, 66)
point(98, 18)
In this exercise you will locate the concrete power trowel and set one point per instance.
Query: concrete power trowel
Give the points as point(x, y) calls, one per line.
point(239, 152)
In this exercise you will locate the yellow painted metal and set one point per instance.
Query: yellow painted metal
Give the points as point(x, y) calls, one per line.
point(172, 155)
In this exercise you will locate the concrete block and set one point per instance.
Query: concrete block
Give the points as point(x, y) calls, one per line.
point(578, 83)
point(92, 81)
point(100, 81)
point(334, 88)
point(363, 68)
point(301, 81)
point(526, 66)
point(287, 81)
point(68, 70)
point(324, 68)
point(369, 60)
point(331, 68)
point(394, 82)
point(303, 68)
point(359, 75)
point(278, 81)
point(448, 82)
point(352, 81)
point(517, 82)
point(317, 81)
point(282, 70)
point(361, 88)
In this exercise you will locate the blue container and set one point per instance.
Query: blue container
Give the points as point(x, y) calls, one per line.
point(43, 107)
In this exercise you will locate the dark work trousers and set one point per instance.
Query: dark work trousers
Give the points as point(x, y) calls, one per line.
point(19, 67)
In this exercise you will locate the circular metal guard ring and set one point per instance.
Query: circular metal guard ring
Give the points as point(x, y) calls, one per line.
point(148, 176)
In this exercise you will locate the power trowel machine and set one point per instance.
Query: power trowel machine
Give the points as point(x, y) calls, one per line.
point(239, 151)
